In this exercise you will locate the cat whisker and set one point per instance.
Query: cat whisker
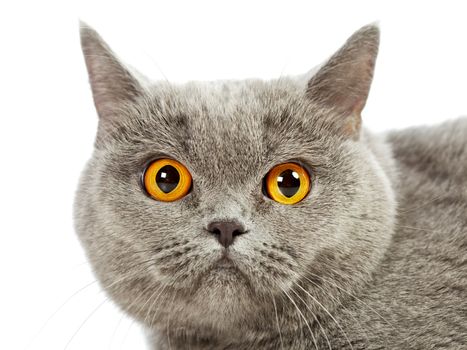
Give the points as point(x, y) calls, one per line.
point(168, 325)
point(314, 316)
point(327, 311)
point(114, 333)
point(47, 321)
point(123, 315)
point(156, 310)
point(160, 290)
point(277, 321)
point(341, 305)
point(144, 251)
point(361, 302)
point(139, 264)
point(301, 315)
point(420, 229)
point(153, 319)
point(422, 205)
point(125, 275)
point(352, 295)
point(154, 295)
point(93, 312)
point(71, 297)
point(80, 264)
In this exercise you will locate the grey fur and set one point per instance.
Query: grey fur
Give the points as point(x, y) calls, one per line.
point(373, 258)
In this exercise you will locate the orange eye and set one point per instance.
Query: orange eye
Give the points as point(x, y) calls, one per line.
point(167, 180)
point(287, 183)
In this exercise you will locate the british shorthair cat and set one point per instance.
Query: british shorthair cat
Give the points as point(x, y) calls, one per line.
point(262, 215)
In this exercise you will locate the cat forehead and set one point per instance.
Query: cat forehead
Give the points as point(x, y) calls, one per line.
point(225, 98)
point(234, 111)
point(223, 128)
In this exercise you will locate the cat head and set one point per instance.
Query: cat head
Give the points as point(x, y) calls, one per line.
point(215, 255)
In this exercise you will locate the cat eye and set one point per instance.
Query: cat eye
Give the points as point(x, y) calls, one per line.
point(167, 180)
point(287, 183)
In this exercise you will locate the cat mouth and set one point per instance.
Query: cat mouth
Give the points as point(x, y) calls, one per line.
point(223, 269)
point(227, 266)
point(225, 261)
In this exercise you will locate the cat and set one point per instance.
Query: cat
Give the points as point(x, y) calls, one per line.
point(262, 215)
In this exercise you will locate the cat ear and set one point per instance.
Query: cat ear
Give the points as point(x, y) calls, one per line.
point(343, 82)
point(111, 82)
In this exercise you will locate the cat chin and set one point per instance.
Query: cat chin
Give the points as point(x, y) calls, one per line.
point(224, 277)
point(221, 280)
point(221, 303)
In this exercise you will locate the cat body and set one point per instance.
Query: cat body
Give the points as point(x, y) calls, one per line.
point(373, 257)
point(417, 298)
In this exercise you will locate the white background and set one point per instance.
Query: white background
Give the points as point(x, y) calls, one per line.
point(48, 120)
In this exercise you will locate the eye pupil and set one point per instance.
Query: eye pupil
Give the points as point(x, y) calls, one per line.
point(288, 182)
point(167, 178)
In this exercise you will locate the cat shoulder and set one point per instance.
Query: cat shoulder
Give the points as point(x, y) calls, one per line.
point(438, 152)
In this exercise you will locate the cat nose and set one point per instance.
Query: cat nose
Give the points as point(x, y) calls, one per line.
point(226, 231)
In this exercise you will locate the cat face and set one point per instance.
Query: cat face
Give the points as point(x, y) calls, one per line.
point(163, 260)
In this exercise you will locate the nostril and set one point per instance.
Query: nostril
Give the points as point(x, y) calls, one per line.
point(238, 232)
